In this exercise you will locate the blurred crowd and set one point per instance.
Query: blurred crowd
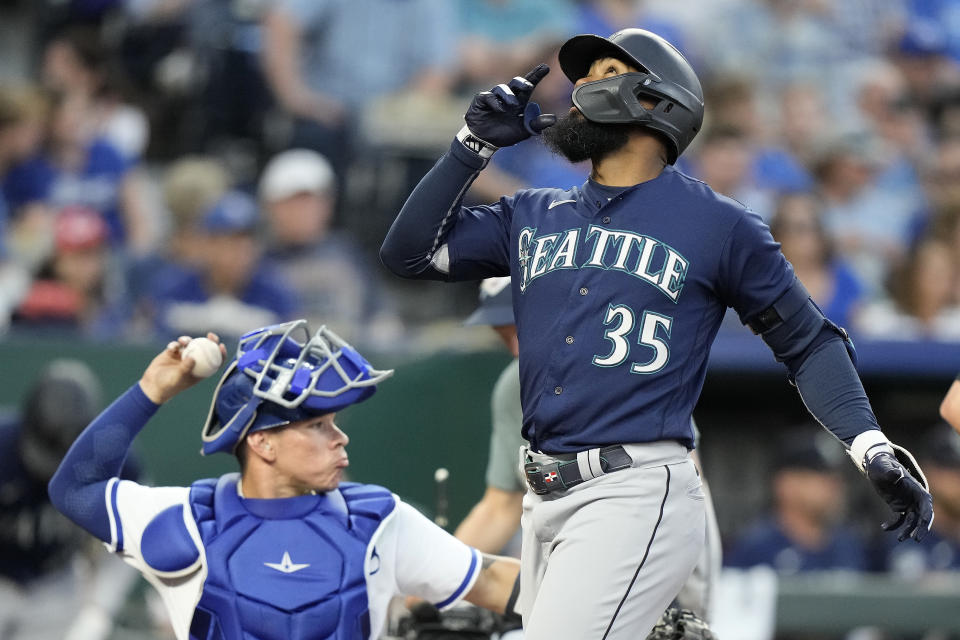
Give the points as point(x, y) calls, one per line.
point(172, 166)
point(179, 166)
point(812, 520)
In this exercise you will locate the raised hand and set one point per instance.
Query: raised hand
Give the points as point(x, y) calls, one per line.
point(504, 115)
point(169, 372)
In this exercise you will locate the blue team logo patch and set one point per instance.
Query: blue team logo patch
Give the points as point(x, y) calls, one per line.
point(642, 257)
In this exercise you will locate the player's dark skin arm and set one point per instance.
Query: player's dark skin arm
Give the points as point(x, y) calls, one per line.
point(492, 521)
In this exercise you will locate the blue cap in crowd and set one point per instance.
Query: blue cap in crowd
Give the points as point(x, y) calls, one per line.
point(235, 212)
point(923, 38)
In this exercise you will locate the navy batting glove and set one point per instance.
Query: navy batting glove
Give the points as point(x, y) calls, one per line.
point(504, 115)
point(910, 501)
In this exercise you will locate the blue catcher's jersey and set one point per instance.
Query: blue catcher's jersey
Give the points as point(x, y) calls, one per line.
point(618, 295)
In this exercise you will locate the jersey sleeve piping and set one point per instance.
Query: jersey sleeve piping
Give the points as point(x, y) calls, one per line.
point(116, 529)
point(473, 572)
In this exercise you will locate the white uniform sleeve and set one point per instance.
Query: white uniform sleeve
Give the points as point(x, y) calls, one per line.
point(431, 563)
point(131, 507)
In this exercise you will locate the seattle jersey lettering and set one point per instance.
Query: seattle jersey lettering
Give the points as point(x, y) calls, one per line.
point(637, 255)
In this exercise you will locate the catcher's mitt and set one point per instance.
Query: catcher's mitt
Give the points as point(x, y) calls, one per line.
point(680, 624)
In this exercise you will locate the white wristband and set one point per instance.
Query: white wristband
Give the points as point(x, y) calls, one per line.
point(480, 147)
point(868, 444)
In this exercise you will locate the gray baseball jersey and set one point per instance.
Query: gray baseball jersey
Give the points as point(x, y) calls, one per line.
point(505, 439)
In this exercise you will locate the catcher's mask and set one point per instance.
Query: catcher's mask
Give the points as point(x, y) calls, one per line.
point(276, 379)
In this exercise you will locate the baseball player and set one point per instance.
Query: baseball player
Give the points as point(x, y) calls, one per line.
point(619, 286)
point(283, 549)
point(495, 519)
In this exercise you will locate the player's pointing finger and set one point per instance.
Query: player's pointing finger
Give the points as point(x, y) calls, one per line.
point(537, 74)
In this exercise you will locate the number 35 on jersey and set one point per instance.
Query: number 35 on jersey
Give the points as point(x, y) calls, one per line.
point(639, 256)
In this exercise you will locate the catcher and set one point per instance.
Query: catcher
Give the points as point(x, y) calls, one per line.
point(282, 550)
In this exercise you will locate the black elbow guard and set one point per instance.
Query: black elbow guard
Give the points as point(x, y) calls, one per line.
point(794, 326)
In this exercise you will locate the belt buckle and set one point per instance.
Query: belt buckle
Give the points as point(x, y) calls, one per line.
point(543, 477)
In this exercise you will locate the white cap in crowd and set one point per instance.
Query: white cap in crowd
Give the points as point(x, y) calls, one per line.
point(295, 171)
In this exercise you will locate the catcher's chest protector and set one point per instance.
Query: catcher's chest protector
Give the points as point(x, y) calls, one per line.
point(283, 574)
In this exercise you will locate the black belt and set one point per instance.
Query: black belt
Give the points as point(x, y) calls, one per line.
point(561, 473)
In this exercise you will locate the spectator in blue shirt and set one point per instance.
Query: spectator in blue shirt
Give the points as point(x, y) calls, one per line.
point(798, 227)
point(736, 105)
point(77, 168)
point(22, 123)
point(326, 60)
point(190, 188)
point(76, 61)
point(500, 37)
point(232, 288)
point(804, 530)
point(869, 222)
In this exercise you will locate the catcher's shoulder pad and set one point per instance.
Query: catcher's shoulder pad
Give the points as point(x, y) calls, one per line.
point(681, 624)
point(167, 547)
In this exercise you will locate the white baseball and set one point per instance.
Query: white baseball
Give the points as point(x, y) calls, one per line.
point(206, 356)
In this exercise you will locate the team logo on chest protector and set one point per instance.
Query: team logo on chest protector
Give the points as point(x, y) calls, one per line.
point(634, 254)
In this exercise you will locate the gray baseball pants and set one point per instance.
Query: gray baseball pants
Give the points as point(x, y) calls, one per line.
point(603, 559)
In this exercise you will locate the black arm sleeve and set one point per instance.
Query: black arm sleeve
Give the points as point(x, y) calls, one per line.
point(819, 357)
point(428, 214)
point(832, 391)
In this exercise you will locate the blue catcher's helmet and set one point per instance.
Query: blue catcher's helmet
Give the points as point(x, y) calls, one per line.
point(276, 379)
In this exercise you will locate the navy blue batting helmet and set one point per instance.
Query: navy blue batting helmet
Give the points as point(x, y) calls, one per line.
point(281, 374)
point(664, 78)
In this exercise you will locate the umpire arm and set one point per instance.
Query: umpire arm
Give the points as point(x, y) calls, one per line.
point(492, 521)
point(494, 586)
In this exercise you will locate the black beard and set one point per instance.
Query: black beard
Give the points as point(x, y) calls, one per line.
point(577, 139)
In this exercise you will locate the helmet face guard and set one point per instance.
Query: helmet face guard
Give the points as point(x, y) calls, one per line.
point(663, 75)
point(276, 379)
point(617, 100)
point(613, 100)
